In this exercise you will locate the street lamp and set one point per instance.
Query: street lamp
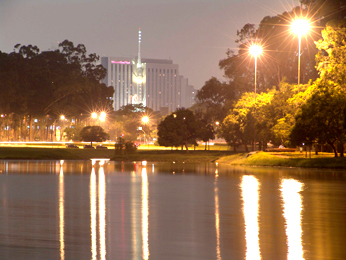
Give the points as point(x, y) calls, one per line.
point(93, 115)
point(141, 129)
point(103, 116)
point(255, 50)
point(62, 118)
point(300, 27)
point(145, 119)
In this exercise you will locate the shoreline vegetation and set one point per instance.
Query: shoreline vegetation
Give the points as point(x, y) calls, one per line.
point(274, 159)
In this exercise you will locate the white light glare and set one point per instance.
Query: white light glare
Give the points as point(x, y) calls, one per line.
point(255, 50)
point(300, 26)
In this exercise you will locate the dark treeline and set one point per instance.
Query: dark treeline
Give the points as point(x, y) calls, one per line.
point(44, 85)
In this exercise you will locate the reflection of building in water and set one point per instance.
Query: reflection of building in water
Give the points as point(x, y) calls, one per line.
point(135, 217)
point(140, 219)
point(250, 194)
point(145, 215)
point(292, 206)
point(100, 194)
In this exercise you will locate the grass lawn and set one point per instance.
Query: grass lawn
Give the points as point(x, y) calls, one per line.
point(295, 159)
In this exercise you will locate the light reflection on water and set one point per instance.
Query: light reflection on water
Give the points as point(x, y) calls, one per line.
point(145, 215)
point(250, 187)
point(61, 212)
point(217, 217)
point(292, 205)
point(93, 214)
point(131, 211)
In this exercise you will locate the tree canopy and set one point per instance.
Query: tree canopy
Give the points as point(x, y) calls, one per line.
point(48, 83)
point(93, 134)
point(182, 128)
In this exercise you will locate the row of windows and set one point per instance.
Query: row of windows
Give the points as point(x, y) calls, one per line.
point(162, 71)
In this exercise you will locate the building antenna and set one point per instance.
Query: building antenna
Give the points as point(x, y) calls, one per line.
point(139, 62)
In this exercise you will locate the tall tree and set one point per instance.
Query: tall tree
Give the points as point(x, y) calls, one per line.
point(322, 118)
point(178, 129)
point(214, 100)
point(36, 84)
point(93, 134)
point(279, 57)
point(331, 58)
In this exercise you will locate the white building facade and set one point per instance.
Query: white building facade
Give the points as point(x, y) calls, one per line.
point(153, 82)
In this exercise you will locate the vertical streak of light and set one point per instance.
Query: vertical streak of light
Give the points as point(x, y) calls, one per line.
point(292, 207)
point(250, 194)
point(93, 214)
point(134, 229)
point(145, 215)
point(61, 213)
point(102, 213)
point(217, 218)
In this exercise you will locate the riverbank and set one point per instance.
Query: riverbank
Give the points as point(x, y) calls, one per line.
point(172, 156)
point(155, 155)
point(291, 159)
point(283, 159)
point(39, 153)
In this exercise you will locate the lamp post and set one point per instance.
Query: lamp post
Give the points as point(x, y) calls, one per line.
point(255, 50)
point(300, 27)
point(62, 118)
point(141, 129)
point(145, 120)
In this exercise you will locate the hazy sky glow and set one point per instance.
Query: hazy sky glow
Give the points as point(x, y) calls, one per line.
point(193, 33)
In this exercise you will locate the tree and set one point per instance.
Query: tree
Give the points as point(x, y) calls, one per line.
point(128, 119)
point(93, 134)
point(279, 58)
point(178, 129)
point(245, 122)
point(73, 132)
point(322, 118)
point(205, 132)
point(214, 100)
point(231, 130)
point(331, 58)
point(325, 11)
point(37, 84)
point(274, 118)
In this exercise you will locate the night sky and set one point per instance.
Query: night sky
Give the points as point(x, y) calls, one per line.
point(193, 33)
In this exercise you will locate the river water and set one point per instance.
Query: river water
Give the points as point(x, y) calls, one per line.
point(73, 210)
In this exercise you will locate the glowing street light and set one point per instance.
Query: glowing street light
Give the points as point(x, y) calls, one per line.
point(94, 115)
point(103, 116)
point(145, 119)
point(255, 50)
point(300, 27)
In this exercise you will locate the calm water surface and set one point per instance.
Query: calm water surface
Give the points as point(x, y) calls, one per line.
point(72, 210)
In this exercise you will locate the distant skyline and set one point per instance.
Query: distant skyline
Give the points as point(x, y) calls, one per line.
point(193, 33)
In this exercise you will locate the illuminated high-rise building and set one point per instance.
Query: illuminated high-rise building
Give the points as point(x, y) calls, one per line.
point(153, 82)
